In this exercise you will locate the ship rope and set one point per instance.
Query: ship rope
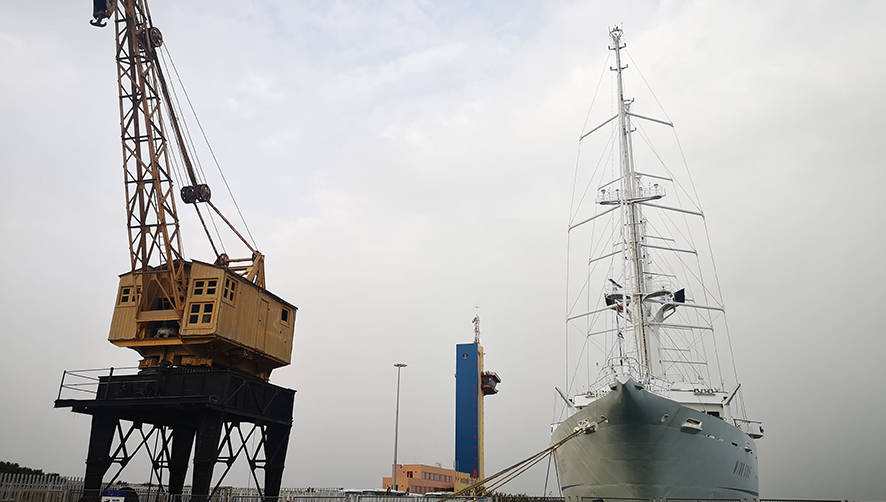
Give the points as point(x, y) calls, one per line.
point(479, 489)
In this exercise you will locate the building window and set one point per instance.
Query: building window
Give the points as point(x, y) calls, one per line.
point(230, 287)
point(200, 313)
point(284, 315)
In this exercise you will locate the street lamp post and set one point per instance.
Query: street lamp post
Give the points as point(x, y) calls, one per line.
point(399, 366)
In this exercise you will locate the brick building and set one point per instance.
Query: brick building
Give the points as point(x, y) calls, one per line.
point(420, 479)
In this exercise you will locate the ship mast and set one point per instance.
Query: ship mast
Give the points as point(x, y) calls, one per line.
point(635, 235)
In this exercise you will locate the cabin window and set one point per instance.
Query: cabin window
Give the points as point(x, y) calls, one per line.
point(284, 316)
point(200, 313)
point(714, 413)
point(228, 291)
point(205, 287)
point(129, 295)
point(207, 313)
point(126, 294)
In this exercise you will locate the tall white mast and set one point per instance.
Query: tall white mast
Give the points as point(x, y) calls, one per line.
point(635, 234)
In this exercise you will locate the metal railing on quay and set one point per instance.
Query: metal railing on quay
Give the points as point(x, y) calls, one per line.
point(84, 384)
point(55, 488)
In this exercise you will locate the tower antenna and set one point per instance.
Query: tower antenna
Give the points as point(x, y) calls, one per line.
point(476, 322)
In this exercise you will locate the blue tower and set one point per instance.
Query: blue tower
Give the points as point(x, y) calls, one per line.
point(468, 425)
point(471, 384)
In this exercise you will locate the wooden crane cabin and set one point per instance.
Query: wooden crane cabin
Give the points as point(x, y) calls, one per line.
point(227, 321)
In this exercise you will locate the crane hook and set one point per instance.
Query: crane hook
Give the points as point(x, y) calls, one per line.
point(101, 10)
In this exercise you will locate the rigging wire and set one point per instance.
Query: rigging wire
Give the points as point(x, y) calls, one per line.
point(691, 240)
point(698, 204)
point(669, 223)
point(649, 87)
point(674, 177)
point(211, 151)
point(189, 140)
point(174, 107)
point(578, 152)
point(610, 146)
point(571, 213)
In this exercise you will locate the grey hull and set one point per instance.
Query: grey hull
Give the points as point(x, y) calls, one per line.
point(640, 451)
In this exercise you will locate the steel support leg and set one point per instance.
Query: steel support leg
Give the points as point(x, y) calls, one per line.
point(205, 455)
point(98, 457)
point(276, 445)
point(182, 440)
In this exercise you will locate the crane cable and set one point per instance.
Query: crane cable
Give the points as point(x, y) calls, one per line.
point(515, 470)
point(208, 145)
point(174, 106)
point(171, 107)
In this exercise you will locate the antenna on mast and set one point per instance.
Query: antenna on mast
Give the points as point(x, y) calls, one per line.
point(476, 322)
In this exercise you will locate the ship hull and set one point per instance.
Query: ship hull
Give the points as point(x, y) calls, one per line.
point(641, 450)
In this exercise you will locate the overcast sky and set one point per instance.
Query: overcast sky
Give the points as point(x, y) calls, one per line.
point(400, 163)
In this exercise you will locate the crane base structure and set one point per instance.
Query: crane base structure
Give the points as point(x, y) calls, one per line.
point(173, 413)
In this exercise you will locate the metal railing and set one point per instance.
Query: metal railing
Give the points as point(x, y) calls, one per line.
point(55, 488)
point(84, 384)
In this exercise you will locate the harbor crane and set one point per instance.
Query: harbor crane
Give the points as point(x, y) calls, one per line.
point(209, 332)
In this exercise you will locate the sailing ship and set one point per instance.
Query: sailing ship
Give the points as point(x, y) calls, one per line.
point(661, 415)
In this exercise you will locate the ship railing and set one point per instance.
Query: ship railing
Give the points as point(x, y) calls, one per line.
point(643, 192)
point(631, 366)
point(746, 421)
